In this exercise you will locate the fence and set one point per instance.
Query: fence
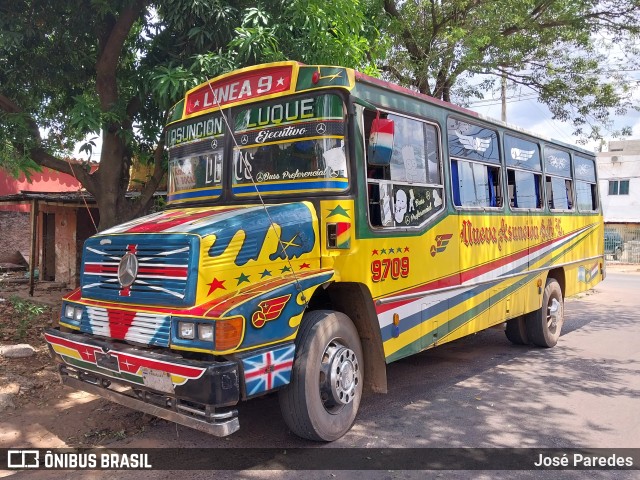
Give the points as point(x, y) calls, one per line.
point(622, 243)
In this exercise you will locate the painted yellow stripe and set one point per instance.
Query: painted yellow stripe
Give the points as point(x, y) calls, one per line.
point(296, 181)
point(68, 325)
point(178, 380)
point(319, 137)
point(413, 334)
point(189, 190)
point(406, 338)
point(69, 352)
point(293, 122)
point(281, 192)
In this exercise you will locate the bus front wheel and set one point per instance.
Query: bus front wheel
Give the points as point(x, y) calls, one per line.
point(322, 399)
point(544, 325)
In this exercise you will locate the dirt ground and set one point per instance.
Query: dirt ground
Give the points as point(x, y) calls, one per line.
point(32, 389)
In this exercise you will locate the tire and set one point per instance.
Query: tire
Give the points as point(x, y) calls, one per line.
point(322, 399)
point(544, 325)
point(516, 331)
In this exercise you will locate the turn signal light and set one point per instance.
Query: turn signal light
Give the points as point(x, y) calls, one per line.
point(229, 333)
point(339, 235)
point(395, 328)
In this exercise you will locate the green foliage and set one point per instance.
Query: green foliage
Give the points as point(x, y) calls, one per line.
point(59, 85)
point(14, 157)
point(15, 162)
point(559, 50)
point(51, 96)
point(27, 312)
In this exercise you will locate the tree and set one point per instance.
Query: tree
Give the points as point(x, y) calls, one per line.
point(76, 69)
point(558, 49)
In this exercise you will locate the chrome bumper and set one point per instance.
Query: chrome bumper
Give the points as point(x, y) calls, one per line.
point(220, 424)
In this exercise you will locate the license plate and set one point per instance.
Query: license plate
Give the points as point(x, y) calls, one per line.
point(107, 361)
point(157, 380)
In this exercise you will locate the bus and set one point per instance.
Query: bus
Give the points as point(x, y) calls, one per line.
point(321, 224)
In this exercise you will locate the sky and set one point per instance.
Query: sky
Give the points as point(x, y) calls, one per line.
point(523, 109)
point(533, 116)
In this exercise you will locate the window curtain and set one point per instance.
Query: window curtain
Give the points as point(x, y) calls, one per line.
point(456, 183)
point(492, 193)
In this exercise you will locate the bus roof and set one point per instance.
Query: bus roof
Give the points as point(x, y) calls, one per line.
point(363, 78)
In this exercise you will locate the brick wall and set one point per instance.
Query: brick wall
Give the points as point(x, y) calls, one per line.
point(15, 234)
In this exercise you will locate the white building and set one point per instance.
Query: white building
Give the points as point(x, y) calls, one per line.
point(619, 174)
point(619, 184)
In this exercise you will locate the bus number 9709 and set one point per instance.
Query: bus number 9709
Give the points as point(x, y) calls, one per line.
point(397, 267)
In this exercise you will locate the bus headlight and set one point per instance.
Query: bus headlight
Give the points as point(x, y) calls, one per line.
point(187, 330)
point(205, 332)
point(208, 334)
point(72, 312)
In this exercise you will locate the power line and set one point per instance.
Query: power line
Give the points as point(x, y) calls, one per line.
point(493, 101)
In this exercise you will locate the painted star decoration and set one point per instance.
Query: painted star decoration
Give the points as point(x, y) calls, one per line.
point(215, 285)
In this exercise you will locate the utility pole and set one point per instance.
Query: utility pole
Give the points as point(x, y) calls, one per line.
point(503, 95)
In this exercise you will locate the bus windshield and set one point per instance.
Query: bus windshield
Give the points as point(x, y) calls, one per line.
point(291, 146)
point(195, 159)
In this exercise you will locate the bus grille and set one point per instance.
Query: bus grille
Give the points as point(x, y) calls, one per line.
point(138, 327)
point(163, 266)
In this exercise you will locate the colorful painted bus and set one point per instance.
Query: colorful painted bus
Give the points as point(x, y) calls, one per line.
point(321, 224)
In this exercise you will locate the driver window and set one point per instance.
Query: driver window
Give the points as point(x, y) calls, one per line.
point(409, 190)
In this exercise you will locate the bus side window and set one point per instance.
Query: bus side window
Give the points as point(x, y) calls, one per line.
point(476, 184)
point(586, 187)
point(559, 184)
point(523, 189)
point(410, 190)
point(559, 193)
point(568, 184)
point(378, 198)
point(587, 196)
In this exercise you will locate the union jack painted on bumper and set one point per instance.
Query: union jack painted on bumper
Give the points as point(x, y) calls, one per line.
point(268, 370)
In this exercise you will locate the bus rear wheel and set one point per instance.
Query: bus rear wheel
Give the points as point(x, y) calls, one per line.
point(516, 331)
point(544, 325)
point(322, 399)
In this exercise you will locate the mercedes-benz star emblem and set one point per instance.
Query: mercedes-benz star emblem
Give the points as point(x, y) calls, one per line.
point(214, 144)
point(127, 269)
point(321, 128)
point(244, 140)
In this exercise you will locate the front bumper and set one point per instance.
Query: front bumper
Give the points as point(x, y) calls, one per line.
point(192, 393)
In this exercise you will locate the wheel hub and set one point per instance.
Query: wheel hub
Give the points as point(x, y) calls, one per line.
point(344, 375)
point(554, 312)
point(341, 376)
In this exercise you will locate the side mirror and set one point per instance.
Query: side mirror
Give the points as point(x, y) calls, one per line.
point(380, 142)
